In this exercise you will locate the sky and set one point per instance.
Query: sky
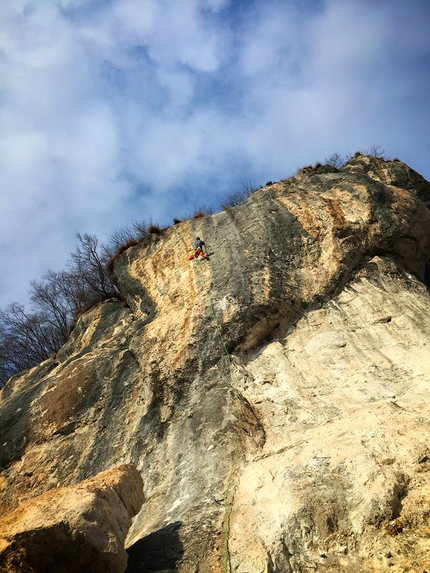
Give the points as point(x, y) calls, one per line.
point(113, 111)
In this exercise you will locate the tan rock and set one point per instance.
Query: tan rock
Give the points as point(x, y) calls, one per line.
point(318, 418)
point(342, 483)
point(73, 529)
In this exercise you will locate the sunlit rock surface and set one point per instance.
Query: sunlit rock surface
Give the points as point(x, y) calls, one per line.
point(291, 369)
point(73, 529)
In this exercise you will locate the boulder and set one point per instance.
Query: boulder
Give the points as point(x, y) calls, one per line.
point(73, 529)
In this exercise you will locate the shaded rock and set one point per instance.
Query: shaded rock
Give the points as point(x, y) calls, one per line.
point(73, 529)
point(159, 551)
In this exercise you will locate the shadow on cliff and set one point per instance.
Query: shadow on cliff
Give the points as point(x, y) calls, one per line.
point(159, 551)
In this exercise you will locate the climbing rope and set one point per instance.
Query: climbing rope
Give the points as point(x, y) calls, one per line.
point(238, 433)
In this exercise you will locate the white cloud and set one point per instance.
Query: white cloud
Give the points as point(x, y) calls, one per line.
point(110, 111)
point(171, 32)
point(272, 41)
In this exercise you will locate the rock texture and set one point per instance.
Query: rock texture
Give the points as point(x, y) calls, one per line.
point(73, 529)
point(284, 384)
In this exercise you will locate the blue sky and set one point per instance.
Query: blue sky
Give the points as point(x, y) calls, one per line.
point(120, 110)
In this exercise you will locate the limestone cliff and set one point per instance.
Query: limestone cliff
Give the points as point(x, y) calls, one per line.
point(283, 384)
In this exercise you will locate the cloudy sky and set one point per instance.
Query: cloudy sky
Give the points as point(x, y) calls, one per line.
point(120, 110)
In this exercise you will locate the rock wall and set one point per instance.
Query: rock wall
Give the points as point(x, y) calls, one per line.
point(291, 369)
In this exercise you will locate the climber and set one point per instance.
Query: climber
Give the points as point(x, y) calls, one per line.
point(199, 249)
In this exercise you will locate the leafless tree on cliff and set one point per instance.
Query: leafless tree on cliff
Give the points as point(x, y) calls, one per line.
point(27, 338)
point(375, 151)
point(336, 160)
point(247, 188)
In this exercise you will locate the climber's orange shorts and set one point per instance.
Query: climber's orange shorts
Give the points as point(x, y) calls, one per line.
point(197, 252)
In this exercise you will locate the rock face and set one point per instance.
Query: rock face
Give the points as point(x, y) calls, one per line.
point(274, 399)
point(73, 529)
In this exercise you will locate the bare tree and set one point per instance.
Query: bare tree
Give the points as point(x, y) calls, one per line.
point(141, 228)
point(122, 236)
point(56, 298)
point(136, 231)
point(336, 160)
point(247, 188)
point(376, 151)
point(88, 266)
point(27, 338)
